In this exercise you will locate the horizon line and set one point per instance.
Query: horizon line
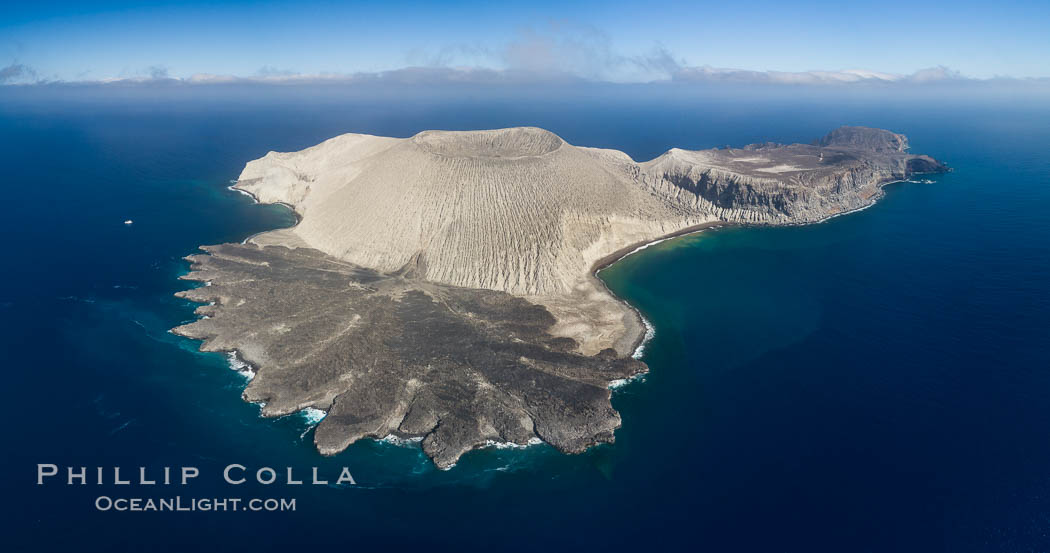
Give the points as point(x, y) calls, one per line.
point(17, 74)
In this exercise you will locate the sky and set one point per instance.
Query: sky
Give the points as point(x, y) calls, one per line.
point(609, 40)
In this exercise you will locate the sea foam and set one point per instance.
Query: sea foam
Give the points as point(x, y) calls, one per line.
point(242, 368)
point(650, 332)
point(511, 445)
point(312, 415)
point(401, 442)
point(621, 382)
point(239, 191)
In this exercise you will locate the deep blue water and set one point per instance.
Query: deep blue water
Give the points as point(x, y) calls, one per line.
point(879, 382)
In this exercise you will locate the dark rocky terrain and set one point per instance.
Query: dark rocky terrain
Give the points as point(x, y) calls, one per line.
point(395, 355)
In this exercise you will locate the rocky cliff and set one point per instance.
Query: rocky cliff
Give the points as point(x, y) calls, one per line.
point(782, 184)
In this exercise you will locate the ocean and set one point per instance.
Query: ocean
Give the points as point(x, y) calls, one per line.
point(876, 382)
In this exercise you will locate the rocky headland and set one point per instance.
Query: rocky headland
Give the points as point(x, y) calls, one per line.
point(442, 286)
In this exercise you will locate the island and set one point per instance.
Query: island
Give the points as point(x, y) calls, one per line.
point(442, 287)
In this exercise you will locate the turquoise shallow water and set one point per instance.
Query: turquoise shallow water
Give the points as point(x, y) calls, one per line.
point(876, 382)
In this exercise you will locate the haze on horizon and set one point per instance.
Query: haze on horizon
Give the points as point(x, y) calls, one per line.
point(815, 42)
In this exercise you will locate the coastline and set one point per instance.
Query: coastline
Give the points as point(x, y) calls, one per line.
point(298, 216)
point(642, 328)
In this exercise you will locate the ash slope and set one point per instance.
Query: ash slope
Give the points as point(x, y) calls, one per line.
point(442, 286)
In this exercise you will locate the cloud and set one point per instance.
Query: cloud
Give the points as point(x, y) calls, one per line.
point(157, 72)
point(453, 55)
point(17, 73)
point(840, 77)
point(660, 66)
point(586, 52)
point(939, 73)
point(566, 50)
point(404, 76)
point(559, 48)
point(659, 61)
point(268, 71)
point(560, 52)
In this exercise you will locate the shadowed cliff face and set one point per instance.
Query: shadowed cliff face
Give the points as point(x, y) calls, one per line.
point(787, 184)
point(390, 354)
point(441, 286)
